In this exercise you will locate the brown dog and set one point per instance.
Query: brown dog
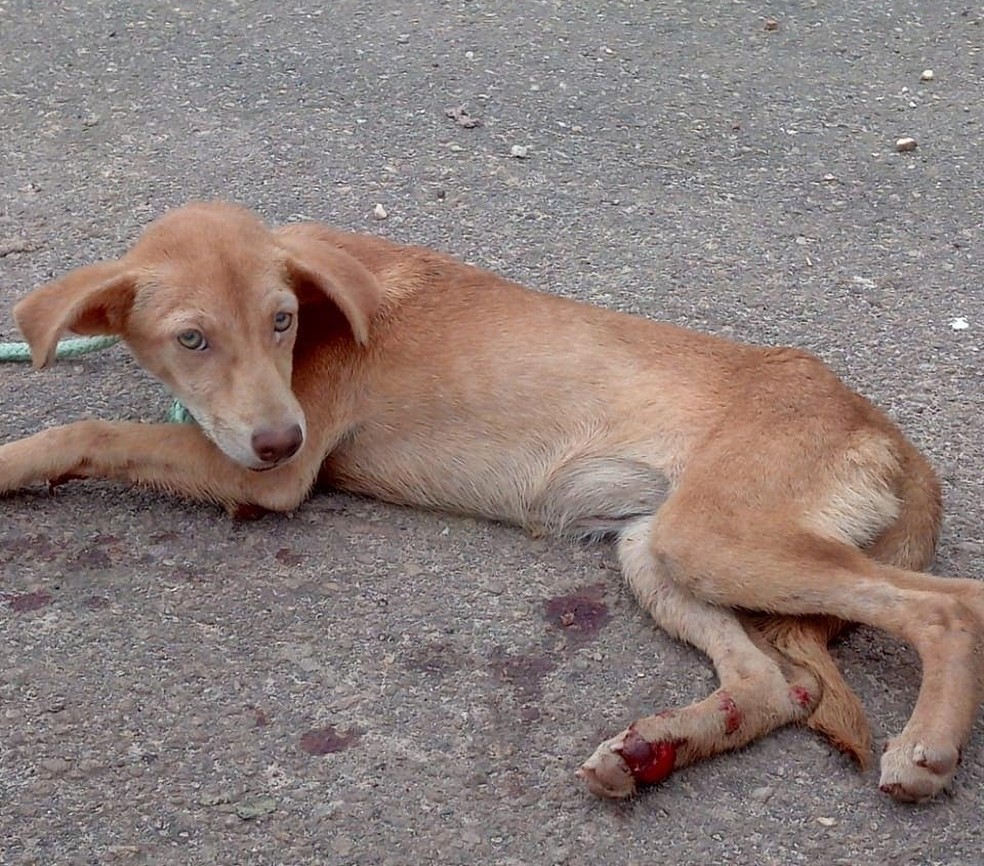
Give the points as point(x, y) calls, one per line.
point(758, 504)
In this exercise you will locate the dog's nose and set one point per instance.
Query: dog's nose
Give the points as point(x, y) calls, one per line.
point(272, 446)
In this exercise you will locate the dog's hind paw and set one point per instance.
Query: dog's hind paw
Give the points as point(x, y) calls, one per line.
point(915, 772)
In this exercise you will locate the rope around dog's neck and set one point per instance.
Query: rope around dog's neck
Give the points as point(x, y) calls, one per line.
point(75, 348)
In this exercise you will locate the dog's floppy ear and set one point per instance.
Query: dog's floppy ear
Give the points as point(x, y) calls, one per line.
point(91, 300)
point(315, 264)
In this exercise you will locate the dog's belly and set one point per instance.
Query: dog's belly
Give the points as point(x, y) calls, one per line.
point(578, 494)
point(592, 496)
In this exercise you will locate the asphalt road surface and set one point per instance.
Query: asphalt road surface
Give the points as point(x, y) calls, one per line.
point(361, 684)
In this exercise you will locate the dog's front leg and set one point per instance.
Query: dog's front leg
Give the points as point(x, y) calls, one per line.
point(176, 458)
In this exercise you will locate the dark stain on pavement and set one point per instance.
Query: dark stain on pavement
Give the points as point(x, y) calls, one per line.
point(285, 557)
point(437, 658)
point(36, 545)
point(96, 602)
point(524, 674)
point(91, 557)
point(28, 601)
point(581, 614)
point(326, 741)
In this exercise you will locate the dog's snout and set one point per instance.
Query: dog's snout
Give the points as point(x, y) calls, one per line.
point(273, 446)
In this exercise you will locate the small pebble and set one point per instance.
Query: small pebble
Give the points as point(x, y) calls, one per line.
point(379, 212)
point(519, 151)
point(762, 794)
point(904, 145)
point(927, 75)
point(827, 822)
point(459, 114)
point(771, 24)
point(960, 324)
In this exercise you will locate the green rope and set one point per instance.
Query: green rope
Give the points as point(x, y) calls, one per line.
point(65, 349)
point(178, 414)
point(75, 348)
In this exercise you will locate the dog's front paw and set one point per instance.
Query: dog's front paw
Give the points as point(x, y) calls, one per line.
point(915, 771)
point(27, 461)
point(606, 774)
point(625, 761)
point(9, 478)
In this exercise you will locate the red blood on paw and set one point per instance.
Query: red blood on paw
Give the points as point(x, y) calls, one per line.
point(732, 715)
point(801, 696)
point(648, 762)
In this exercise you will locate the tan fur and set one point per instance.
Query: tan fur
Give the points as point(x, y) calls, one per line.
point(759, 506)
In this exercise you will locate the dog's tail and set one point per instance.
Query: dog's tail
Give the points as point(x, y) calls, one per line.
point(908, 543)
point(839, 715)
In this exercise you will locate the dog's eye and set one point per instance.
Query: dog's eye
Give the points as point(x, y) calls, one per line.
point(282, 321)
point(192, 339)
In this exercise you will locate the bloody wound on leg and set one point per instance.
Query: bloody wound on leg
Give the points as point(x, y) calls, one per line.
point(732, 715)
point(648, 762)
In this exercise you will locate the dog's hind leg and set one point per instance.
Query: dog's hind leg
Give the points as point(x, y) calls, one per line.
point(908, 542)
point(759, 690)
point(769, 563)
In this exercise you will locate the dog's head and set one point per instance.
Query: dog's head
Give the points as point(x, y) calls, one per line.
point(208, 300)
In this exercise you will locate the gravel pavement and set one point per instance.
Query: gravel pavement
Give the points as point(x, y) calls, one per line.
point(361, 684)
